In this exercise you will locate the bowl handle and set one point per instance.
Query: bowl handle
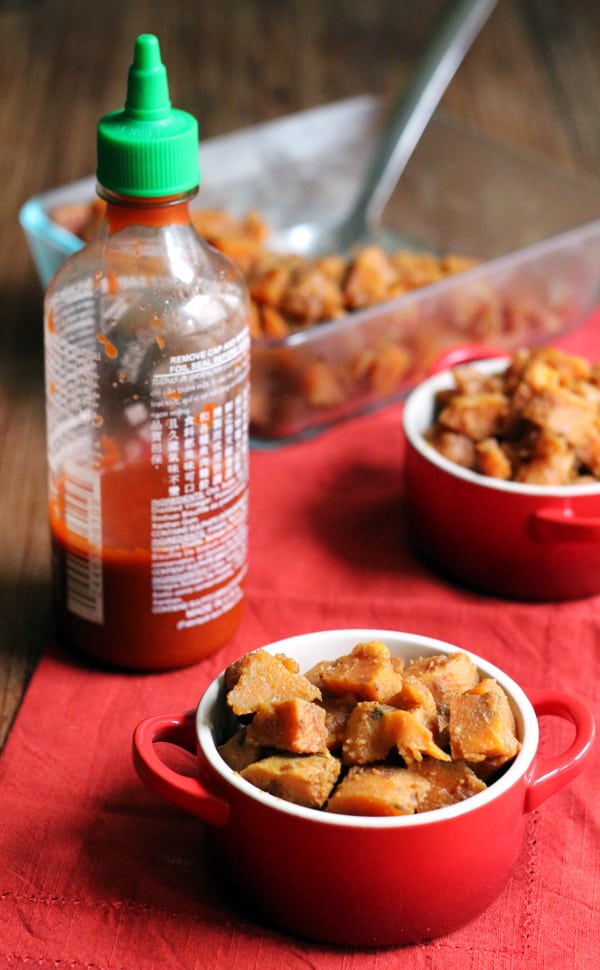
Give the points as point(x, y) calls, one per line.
point(184, 791)
point(550, 524)
point(549, 775)
point(463, 354)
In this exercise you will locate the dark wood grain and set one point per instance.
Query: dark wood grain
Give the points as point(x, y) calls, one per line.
point(532, 78)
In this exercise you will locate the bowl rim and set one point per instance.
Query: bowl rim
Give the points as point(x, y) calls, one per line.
point(413, 645)
point(418, 413)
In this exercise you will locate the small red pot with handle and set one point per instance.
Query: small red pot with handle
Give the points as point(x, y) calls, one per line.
point(353, 880)
point(518, 541)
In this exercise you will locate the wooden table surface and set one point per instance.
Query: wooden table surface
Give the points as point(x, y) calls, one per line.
point(532, 78)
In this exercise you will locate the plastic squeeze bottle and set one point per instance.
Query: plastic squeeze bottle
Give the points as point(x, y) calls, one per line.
point(147, 368)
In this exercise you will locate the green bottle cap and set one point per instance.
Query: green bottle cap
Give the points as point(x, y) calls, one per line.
point(148, 148)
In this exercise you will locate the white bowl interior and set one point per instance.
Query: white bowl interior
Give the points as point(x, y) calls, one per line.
point(309, 649)
point(419, 414)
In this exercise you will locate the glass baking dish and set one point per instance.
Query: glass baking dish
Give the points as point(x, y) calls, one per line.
point(534, 231)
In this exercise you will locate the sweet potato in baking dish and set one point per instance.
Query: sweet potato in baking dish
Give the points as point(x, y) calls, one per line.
point(365, 733)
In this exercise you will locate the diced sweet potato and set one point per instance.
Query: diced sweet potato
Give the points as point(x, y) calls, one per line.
point(548, 434)
point(273, 323)
point(445, 674)
point(475, 415)
point(491, 459)
point(552, 463)
point(302, 779)
point(454, 446)
point(374, 729)
point(269, 286)
point(295, 725)
point(562, 412)
point(437, 736)
point(238, 752)
point(389, 367)
point(413, 740)
point(544, 367)
point(311, 295)
point(367, 672)
point(482, 725)
point(261, 678)
point(588, 452)
point(368, 736)
point(469, 380)
point(321, 385)
point(369, 278)
point(314, 674)
point(337, 711)
point(416, 697)
point(233, 672)
point(378, 790)
point(450, 782)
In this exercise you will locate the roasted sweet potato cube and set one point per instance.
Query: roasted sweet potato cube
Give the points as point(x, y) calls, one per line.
point(389, 367)
point(588, 453)
point(261, 678)
point(314, 674)
point(368, 736)
point(234, 671)
point(322, 385)
point(337, 711)
point(544, 367)
point(482, 725)
point(552, 462)
point(311, 295)
point(378, 790)
point(374, 729)
point(238, 752)
point(370, 276)
point(491, 459)
point(445, 674)
point(470, 380)
point(413, 739)
point(453, 446)
point(268, 286)
point(416, 697)
point(450, 781)
point(367, 672)
point(563, 412)
point(272, 322)
point(295, 725)
point(477, 416)
point(302, 779)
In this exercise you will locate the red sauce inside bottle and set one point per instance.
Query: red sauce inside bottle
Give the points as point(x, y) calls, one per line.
point(131, 634)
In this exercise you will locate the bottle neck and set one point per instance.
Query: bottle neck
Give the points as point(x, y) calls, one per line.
point(123, 211)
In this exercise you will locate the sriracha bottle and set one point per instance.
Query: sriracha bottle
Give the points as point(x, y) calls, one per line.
point(147, 368)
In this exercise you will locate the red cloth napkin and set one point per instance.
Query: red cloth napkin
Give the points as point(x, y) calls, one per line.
point(96, 872)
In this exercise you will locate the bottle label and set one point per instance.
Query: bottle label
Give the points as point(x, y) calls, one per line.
point(83, 519)
point(186, 440)
point(199, 531)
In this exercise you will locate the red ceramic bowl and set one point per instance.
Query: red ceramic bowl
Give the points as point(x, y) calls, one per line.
point(526, 542)
point(354, 880)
